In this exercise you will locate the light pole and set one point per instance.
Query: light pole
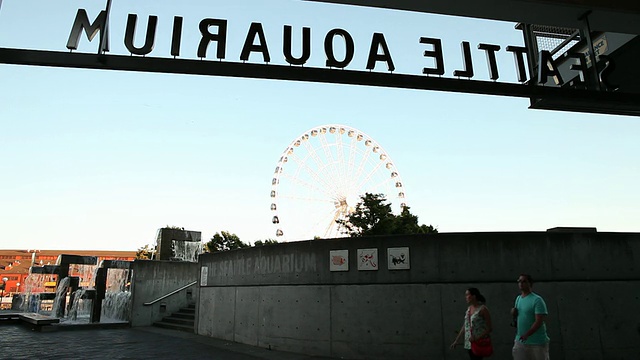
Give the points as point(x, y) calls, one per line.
point(33, 256)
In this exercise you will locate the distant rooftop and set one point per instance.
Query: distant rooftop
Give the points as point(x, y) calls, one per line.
point(573, 229)
point(19, 261)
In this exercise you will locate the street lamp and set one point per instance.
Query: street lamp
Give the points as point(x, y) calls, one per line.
point(33, 256)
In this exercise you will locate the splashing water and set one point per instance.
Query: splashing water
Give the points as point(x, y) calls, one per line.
point(186, 250)
point(38, 295)
point(30, 297)
point(117, 301)
point(115, 307)
point(117, 280)
point(87, 274)
point(80, 309)
point(63, 287)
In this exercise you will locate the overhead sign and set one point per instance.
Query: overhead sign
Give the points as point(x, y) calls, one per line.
point(214, 32)
point(213, 47)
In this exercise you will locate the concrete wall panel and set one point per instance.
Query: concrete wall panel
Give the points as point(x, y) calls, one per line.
point(603, 326)
point(205, 314)
point(573, 256)
point(435, 258)
point(582, 354)
point(224, 312)
point(618, 328)
point(295, 319)
point(154, 279)
point(247, 321)
point(382, 321)
point(580, 333)
point(615, 354)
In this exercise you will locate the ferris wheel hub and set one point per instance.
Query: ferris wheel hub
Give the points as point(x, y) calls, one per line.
point(352, 200)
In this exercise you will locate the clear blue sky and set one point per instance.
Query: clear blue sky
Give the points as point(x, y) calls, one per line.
point(102, 159)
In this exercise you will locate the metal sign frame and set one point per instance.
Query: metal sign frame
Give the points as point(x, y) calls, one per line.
point(608, 102)
point(554, 97)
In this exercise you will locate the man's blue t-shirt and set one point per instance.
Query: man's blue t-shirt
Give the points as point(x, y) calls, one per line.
point(528, 307)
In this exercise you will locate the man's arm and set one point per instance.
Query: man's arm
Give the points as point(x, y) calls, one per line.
point(536, 325)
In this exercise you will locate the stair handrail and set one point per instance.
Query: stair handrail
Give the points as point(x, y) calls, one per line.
point(169, 294)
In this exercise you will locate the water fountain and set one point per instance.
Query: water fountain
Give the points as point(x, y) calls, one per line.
point(186, 250)
point(36, 298)
point(178, 245)
point(113, 296)
point(78, 290)
point(86, 292)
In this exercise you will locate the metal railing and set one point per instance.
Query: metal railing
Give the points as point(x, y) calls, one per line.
point(169, 294)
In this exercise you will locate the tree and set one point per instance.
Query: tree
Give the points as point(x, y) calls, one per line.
point(265, 242)
point(427, 229)
point(373, 216)
point(407, 223)
point(224, 241)
point(145, 252)
point(173, 227)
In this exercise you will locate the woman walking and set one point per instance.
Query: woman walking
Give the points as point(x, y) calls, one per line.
point(477, 322)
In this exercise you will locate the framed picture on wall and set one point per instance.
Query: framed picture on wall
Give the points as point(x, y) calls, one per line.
point(367, 259)
point(339, 260)
point(398, 258)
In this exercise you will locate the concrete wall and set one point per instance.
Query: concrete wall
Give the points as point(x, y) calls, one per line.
point(285, 296)
point(153, 279)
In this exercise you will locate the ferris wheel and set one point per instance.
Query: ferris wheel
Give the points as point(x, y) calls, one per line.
point(320, 177)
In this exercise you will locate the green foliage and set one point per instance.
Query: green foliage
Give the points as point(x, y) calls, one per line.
point(373, 216)
point(173, 227)
point(265, 242)
point(145, 252)
point(224, 241)
point(427, 229)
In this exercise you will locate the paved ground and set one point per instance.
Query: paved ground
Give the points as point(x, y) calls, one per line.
point(20, 342)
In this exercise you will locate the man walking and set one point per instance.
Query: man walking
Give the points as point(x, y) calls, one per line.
point(530, 311)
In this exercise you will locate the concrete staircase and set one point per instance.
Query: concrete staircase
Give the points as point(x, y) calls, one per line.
point(183, 320)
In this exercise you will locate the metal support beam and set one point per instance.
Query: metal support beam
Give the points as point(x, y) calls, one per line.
point(591, 101)
point(585, 31)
